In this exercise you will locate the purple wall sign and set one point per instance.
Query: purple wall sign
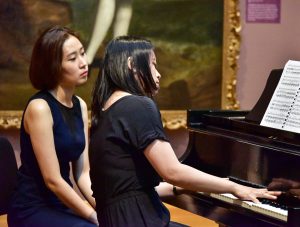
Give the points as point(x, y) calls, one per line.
point(263, 11)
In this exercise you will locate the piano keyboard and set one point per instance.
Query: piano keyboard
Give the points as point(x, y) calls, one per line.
point(265, 209)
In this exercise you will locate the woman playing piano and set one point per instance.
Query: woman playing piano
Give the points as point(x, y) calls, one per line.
point(129, 151)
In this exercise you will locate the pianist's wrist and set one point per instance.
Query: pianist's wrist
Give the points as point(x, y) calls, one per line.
point(179, 190)
point(175, 192)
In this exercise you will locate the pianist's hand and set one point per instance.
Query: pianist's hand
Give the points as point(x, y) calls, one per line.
point(252, 194)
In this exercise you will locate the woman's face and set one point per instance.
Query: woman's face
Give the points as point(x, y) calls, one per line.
point(74, 63)
point(153, 67)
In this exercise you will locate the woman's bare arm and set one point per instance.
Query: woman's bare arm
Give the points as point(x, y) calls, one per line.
point(162, 157)
point(81, 167)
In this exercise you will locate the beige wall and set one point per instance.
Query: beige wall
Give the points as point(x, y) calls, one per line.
point(265, 47)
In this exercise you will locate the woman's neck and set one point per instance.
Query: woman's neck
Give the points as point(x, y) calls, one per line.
point(64, 96)
point(115, 96)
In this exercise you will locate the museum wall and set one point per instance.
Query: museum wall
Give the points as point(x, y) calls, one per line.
point(265, 46)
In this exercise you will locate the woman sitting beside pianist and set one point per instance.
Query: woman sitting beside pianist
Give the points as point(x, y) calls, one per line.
point(53, 138)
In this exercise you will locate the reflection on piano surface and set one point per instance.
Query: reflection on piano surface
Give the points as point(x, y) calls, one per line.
point(233, 144)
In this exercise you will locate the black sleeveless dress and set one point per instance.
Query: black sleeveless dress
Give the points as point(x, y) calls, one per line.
point(33, 204)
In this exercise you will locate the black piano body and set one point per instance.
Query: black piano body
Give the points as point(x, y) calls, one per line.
point(233, 144)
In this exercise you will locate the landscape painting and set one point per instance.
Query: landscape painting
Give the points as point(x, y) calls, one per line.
point(187, 35)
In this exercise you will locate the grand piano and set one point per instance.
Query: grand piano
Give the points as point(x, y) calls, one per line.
point(232, 144)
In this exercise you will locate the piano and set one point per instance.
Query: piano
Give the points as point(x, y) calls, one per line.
point(232, 144)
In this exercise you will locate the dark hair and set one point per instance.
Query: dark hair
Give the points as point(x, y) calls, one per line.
point(116, 75)
point(46, 59)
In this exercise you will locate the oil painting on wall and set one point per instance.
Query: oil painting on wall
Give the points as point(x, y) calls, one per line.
point(187, 35)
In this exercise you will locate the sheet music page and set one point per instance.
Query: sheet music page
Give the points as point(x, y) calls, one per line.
point(283, 111)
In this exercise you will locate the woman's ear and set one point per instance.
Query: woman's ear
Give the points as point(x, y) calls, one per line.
point(129, 63)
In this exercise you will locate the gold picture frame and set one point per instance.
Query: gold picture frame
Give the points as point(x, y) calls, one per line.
point(174, 119)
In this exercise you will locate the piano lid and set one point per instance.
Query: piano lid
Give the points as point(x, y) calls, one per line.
point(235, 123)
point(248, 121)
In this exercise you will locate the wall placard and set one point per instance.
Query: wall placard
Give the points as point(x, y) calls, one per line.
point(263, 11)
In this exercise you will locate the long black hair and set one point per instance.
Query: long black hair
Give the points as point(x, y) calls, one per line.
point(116, 75)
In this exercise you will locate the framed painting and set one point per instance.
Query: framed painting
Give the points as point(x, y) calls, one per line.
point(196, 43)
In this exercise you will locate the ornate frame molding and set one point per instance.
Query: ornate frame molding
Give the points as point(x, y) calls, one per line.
point(10, 119)
point(174, 119)
point(231, 51)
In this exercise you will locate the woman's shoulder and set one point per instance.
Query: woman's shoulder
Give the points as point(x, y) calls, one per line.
point(140, 103)
point(142, 99)
point(40, 95)
point(37, 108)
point(38, 101)
point(82, 106)
point(80, 101)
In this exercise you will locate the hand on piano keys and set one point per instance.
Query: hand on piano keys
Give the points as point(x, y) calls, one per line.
point(248, 198)
point(265, 207)
point(252, 194)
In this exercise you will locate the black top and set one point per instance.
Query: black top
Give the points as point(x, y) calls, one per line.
point(118, 164)
point(68, 131)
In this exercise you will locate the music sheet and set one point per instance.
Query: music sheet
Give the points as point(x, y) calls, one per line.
point(283, 111)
